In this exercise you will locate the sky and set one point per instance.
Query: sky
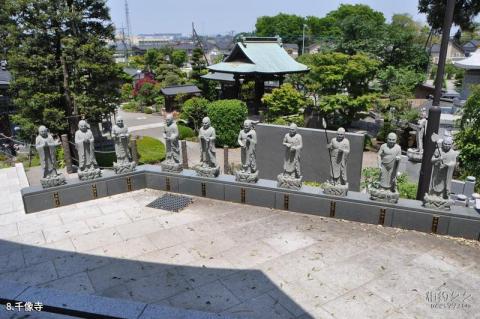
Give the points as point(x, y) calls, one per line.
point(223, 16)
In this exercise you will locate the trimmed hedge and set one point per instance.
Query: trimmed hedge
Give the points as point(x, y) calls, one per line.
point(150, 150)
point(185, 132)
point(227, 117)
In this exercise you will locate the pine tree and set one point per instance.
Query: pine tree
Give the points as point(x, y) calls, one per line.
point(62, 67)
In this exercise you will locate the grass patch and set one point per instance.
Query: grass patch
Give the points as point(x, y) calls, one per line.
point(150, 150)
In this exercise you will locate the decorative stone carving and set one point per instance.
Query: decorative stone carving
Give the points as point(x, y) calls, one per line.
point(172, 162)
point(416, 154)
point(388, 159)
point(87, 164)
point(292, 174)
point(247, 139)
point(444, 160)
point(208, 166)
point(46, 148)
point(339, 148)
point(121, 138)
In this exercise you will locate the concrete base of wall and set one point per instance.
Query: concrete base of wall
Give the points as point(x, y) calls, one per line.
point(407, 214)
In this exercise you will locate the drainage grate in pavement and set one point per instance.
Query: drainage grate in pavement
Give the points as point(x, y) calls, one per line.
point(170, 202)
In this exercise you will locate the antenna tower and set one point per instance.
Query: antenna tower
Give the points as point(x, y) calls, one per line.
point(129, 27)
point(198, 42)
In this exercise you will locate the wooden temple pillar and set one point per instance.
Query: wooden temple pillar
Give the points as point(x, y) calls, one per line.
point(259, 91)
point(236, 86)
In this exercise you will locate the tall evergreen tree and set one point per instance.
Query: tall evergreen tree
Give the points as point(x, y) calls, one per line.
point(62, 68)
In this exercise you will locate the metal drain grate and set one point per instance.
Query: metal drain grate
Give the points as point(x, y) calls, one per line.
point(170, 202)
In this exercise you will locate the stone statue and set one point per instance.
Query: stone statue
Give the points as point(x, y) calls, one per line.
point(415, 155)
point(388, 159)
point(339, 149)
point(46, 148)
point(87, 164)
point(247, 139)
point(292, 174)
point(121, 138)
point(444, 160)
point(208, 160)
point(172, 162)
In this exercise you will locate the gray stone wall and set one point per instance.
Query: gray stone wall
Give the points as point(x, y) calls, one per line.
point(314, 158)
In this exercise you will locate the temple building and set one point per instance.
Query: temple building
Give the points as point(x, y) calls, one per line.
point(258, 59)
point(472, 72)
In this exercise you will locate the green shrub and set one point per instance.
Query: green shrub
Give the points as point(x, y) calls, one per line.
point(227, 118)
point(405, 188)
point(194, 110)
point(105, 159)
point(150, 150)
point(148, 110)
point(131, 106)
point(185, 132)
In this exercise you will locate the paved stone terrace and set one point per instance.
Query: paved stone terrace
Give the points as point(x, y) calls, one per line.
point(234, 259)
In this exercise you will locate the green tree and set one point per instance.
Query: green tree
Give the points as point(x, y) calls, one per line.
point(467, 139)
point(153, 58)
point(288, 26)
point(194, 110)
point(198, 64)
point(283, 101)
point(463, 16)
point(61, 64)
point(227, 117)
point(406, 78)
point(127, 92)
point(179, 57)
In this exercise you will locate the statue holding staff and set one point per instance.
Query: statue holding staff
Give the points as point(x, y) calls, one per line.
point(47, 151)
point(339, 149)
point(172, 162)
point(415, 155)
point(247, 139)
point(121, 138)
point(292, 174)
point(444, 160)
point(208, 159)
point(85, 143)
point(388, 160)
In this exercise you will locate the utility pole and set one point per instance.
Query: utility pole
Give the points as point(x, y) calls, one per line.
point(435, 111)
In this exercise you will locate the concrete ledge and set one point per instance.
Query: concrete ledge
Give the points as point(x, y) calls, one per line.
point(407, 214)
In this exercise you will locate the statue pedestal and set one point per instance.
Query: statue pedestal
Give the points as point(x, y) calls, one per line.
point(437, 202)
point(124, 168)
point(89, 174)
point(414, 155)
point(246, 177)
point(290, 182)
point(384, 195)
point(206, 171)
point(335, 189)
point(53, 181)
point(171, 167)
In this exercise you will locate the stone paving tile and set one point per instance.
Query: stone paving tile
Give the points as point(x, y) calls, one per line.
point(246, 285)
point(80, 214)
point(36, 222)
point(33, 238)
point(289, 241)
point(75, 283)
point(207, 246)
point(96, 239)
point(10, 230)
point(177, 219)
point(76, 263)
point(107, 221)
point(32, 275)
point(213, 297)
point(260, 307)
point(11, 261)
point(176, 255)
point(38, 254)
point(139, 228)
point(249, 255)
point(173, 236)
point(205, 270)
point(12, 217)
point(63, 231)
point(125, 249)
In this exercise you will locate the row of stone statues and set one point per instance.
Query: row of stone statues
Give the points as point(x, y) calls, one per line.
point(385, 189)
point(85, 145)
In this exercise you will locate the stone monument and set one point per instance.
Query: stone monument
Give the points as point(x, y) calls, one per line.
point(444, 160)
point(385, 189)
point(87, 164)
point(172, 162)
point(46, 147)
point(339, 149)
point(121, 138)
point(416, 154)
point(292, 174)
point(247, 139)
point(208, 166)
